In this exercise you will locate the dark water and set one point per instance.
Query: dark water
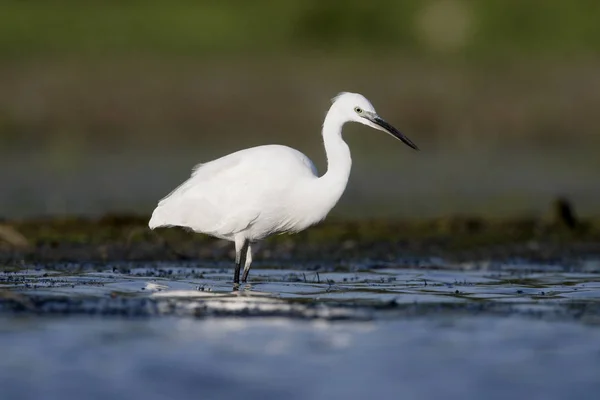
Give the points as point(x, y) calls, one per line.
point(386, 181)
point(177, 330)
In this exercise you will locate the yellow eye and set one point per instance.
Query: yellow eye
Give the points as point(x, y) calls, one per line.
point(358, 110)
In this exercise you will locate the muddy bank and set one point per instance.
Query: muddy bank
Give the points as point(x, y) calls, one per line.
point(127, 237)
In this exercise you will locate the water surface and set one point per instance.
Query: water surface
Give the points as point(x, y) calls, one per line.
point(179, 330)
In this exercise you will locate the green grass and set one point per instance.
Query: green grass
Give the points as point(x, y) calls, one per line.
point(96, 28)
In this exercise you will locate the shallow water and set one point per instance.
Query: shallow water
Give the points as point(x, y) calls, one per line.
point(177, 330)
point(358, 291)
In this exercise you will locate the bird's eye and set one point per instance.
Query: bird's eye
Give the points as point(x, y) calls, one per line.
point(358, 110)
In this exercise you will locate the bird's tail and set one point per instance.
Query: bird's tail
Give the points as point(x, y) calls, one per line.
point(157, 220)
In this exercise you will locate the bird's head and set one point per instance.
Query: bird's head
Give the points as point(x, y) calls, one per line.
point(356, 108)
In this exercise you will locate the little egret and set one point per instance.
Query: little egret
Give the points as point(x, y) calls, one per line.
point(257, 192)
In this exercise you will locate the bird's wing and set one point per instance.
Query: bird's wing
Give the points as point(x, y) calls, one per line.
point(211, 200)
point(227, 195)
point(308, 163)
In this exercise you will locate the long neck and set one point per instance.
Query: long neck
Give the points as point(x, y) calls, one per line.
point(339, 161)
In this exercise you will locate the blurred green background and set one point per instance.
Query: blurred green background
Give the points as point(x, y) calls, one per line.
point(106, 105)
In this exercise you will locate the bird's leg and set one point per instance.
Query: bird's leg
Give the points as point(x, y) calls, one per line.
point(247, 264)
point(241, 249)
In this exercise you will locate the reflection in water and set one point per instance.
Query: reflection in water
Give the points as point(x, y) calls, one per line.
point(445, 357)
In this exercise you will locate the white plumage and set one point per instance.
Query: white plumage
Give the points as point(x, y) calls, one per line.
point(254, 193)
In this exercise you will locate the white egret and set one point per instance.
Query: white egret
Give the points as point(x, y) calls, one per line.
point(257, 192)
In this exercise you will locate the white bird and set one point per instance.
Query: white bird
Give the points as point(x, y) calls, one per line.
point(257, 192)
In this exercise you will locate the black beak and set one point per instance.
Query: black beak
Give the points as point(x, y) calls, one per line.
point(393, 131)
